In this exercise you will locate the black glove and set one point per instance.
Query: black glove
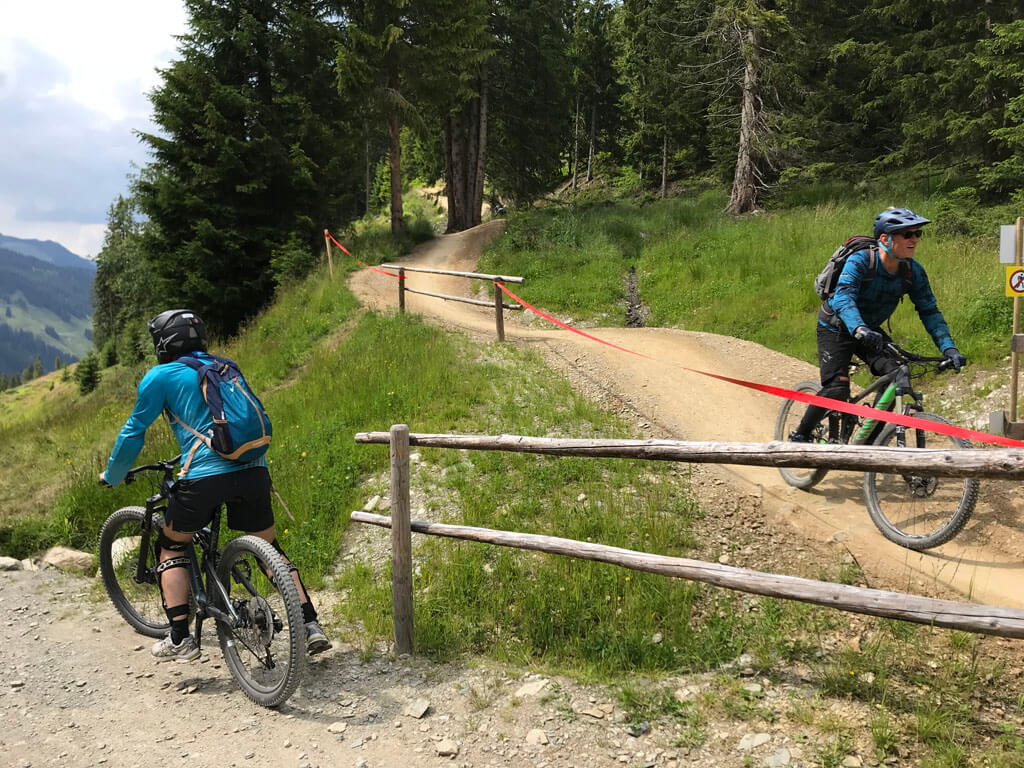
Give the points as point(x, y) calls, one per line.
point(957, 360)
point(873, 340)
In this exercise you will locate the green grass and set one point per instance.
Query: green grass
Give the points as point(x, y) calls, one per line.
point(327, 370)
point(750, 277)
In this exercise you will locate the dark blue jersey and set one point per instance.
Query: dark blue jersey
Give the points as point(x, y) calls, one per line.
point(871, 303)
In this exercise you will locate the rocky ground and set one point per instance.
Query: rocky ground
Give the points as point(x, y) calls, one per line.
point(81, 689)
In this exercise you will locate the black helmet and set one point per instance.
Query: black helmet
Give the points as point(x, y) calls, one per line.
point(176, 332)
point(894, 219)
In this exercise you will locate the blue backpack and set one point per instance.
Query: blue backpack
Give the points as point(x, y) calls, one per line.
point(241, 428)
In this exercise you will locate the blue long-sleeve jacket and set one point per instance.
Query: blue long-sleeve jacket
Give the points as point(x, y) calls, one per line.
point(173, 387)
point(872, 303)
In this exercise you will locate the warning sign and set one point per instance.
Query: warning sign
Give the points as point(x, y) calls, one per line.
point(1015, 281)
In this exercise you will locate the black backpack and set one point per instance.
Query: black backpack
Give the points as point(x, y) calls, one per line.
point(826, 281)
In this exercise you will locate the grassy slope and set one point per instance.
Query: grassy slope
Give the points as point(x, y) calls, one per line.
point(326, 371)
point(750, 277)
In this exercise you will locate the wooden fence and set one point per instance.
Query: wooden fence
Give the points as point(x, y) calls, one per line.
point(499, 305)
point(970, 617)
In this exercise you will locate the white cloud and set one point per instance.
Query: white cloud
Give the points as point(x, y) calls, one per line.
point(73, 84)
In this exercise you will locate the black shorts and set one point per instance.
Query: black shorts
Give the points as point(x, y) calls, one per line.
point(246, 494)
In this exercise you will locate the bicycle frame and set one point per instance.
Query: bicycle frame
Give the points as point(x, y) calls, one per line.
point(891, 389)
point(208, 541)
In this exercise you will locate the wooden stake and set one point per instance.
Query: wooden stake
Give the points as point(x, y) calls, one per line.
point(330, 261)
point(499, 320)
point(401, 540)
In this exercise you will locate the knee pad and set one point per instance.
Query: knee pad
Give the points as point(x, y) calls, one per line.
point(166, 565)
point(166, 542)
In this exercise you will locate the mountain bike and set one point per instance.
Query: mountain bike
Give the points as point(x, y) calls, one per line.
point(915, 511)
point(247, 589)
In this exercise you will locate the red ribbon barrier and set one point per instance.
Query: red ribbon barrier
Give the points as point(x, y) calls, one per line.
point(361, 263)
point(805, 397)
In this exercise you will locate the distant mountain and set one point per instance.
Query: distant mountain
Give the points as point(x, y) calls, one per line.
point(48, 251)
point(45, 306)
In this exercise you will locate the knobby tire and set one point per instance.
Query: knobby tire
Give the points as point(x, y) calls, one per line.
point(916, 511)
point(267, 654)
point(139, 604)
point(789, 417)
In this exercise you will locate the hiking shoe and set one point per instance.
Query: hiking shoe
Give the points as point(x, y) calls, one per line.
point(316, 638)
point(796, 437)
point(186, 650)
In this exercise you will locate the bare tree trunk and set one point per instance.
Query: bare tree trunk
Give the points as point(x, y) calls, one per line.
point(395, 135)
point(368, 181)
point(576, 142)
point(664, 165)
point(593, 133)
point(744, 184)
point(481, 157)
point(456, 163)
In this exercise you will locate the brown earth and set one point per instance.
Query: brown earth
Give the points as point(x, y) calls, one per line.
point(985, 563)
point(82, 690)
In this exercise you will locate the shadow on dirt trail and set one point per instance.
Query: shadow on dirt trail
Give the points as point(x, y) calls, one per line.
point(680, 404)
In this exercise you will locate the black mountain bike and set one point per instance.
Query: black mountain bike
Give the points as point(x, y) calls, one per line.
point(247, 589)
point(914, 511)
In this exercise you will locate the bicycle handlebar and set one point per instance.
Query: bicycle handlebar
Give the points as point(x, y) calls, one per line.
point(162, 466)
point(905, 356)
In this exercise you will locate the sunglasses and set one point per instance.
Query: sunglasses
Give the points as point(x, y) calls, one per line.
point(907, 234)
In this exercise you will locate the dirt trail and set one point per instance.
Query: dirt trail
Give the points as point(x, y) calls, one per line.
point(678, 404)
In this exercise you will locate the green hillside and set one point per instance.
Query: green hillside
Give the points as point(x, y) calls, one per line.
point(327, 369)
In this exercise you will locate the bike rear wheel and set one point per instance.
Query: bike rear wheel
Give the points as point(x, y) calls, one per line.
point(789, 418)
point(138, 603)
point(266, 654)
point(920, 511)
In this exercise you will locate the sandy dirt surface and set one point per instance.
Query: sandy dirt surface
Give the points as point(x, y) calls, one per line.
point(81, 689)
point(983, 564)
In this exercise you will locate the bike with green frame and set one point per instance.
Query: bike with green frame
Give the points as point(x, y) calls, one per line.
point(915, 511)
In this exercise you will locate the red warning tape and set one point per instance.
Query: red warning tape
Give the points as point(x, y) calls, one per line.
point(805, 397)
point(382, 271)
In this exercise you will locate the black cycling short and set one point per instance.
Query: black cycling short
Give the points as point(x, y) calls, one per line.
point(246, 494)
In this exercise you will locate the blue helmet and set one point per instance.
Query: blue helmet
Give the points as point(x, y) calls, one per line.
point(894, 219)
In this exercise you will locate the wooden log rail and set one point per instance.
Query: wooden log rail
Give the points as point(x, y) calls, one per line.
point(499, 305)
point(1003, 463)
point(969, 617)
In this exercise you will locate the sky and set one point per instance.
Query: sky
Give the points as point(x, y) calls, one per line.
point(73, 82)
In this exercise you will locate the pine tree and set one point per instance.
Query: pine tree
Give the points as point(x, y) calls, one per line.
point(87, 374)
point(254, 148)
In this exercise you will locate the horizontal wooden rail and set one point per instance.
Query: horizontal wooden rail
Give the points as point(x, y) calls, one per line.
point(475, 275)
point(463, 299)
point(1004, 463)
point(969, 617)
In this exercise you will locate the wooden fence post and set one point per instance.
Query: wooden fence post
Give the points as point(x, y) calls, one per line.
point(401, 540)
point(401, 289)
point(330, 260)
point(498, 318)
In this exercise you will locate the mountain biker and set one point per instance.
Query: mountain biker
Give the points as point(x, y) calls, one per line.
point(209, 482)
point(850, 321)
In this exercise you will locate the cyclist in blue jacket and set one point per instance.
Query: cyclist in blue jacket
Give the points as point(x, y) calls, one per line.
point(208, 482)
point(850, 321)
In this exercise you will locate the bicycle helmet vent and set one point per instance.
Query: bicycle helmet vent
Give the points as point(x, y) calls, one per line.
point(175, 332)
point(894, 219)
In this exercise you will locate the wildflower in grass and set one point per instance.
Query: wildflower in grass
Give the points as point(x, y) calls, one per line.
point(303, 454)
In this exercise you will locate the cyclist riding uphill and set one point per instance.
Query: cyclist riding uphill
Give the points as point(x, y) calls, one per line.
point(869, 289)
point(207, 481)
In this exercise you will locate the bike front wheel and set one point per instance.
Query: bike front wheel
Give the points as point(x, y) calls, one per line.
point(266, 652)
point(789, 418)
point(920, 511)
point(136, 599)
